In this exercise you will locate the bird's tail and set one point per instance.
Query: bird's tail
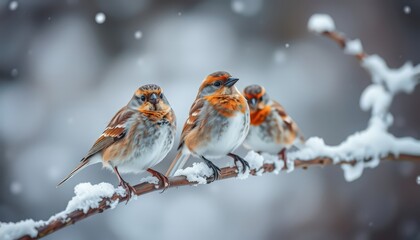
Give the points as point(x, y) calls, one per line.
point(84, 163)
point(179, 162)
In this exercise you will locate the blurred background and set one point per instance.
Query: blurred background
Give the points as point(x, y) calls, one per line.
point(66, 66)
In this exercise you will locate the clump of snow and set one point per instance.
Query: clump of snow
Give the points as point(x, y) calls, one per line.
point(376, 98)
point(278, 164)
point(418, 180)
point(11, 231)
point(100, 18)
point(255, 161)
point(13, 5)
point(198, 173)
point(403, 79)
point(320, 23)
point(353, 47)
point(87, 196)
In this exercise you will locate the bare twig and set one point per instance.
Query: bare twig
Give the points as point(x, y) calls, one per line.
point(144, 188)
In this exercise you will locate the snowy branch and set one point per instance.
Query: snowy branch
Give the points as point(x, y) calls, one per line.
point(92, 199)
point(360, 150)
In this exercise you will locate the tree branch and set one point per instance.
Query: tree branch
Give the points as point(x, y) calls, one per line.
point(226, 173)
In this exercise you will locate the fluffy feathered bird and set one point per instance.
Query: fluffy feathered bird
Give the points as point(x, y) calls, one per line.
point(217, 124)
point(272, 129)
point(137, 138)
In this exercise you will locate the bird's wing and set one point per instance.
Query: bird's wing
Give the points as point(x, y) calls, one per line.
point(192, 120)
point(288, 121)
point(115, 131)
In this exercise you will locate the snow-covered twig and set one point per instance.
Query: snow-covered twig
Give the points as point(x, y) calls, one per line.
point(360, 150)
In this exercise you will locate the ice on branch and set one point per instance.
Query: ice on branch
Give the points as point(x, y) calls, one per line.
point(198, 173)
point(320, 23)
point(87, 196)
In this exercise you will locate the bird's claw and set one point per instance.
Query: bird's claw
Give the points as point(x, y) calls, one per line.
point(237, 159)
point(216, 170)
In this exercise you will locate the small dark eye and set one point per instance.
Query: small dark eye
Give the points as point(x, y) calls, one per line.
point(161, 95)
point(217, 84)
point(143, 98)
point(261, 98)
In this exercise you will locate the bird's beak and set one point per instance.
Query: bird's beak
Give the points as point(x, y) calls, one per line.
point(253, 103)
point(231, 81)
point(153, 99)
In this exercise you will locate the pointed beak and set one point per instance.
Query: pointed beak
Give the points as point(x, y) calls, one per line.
point(231, 81)
point(153, 99)
point(253, 103)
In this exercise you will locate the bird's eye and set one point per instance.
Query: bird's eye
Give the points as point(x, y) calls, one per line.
point(217, 84)
point(143, 98)
point(161, 95)
point(261, 99)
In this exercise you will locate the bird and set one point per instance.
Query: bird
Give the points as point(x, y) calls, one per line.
point(217, 124)
point(272, 129)
point(137, 138)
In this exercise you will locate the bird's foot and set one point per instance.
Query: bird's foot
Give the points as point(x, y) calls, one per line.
point(216, 169)
point(130, 190)
point(237, 159)
point(283, 156)
point(163, 180)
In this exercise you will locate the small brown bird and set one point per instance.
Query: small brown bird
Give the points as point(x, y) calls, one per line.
point(217, 124)
point(272, 130)
point(138, 137)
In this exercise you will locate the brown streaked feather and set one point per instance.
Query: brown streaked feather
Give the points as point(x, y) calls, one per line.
point(112, 133)
point(290, 124)
point(192, 120)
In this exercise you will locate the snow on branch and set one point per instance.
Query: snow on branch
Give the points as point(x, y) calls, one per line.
point(360, 150)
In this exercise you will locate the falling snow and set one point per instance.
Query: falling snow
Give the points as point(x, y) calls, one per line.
point(100, 18)
point(13, 5)
point(407, 9)
point(14, 72)
point(138, 34)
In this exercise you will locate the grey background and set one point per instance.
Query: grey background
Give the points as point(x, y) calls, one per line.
point(73, 74)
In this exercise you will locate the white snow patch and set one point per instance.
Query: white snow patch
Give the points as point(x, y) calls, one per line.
point(88, 196)
point(353, 47)
point(377, 99)
point(320, 23)
point(366, 147)
point(13, 5)
point(198, 173)
point(278, 164)
point(255, 161)
point(418, 180)
point(150, 179)
point(100, 18)
point(403, 79)
point(11, 231)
